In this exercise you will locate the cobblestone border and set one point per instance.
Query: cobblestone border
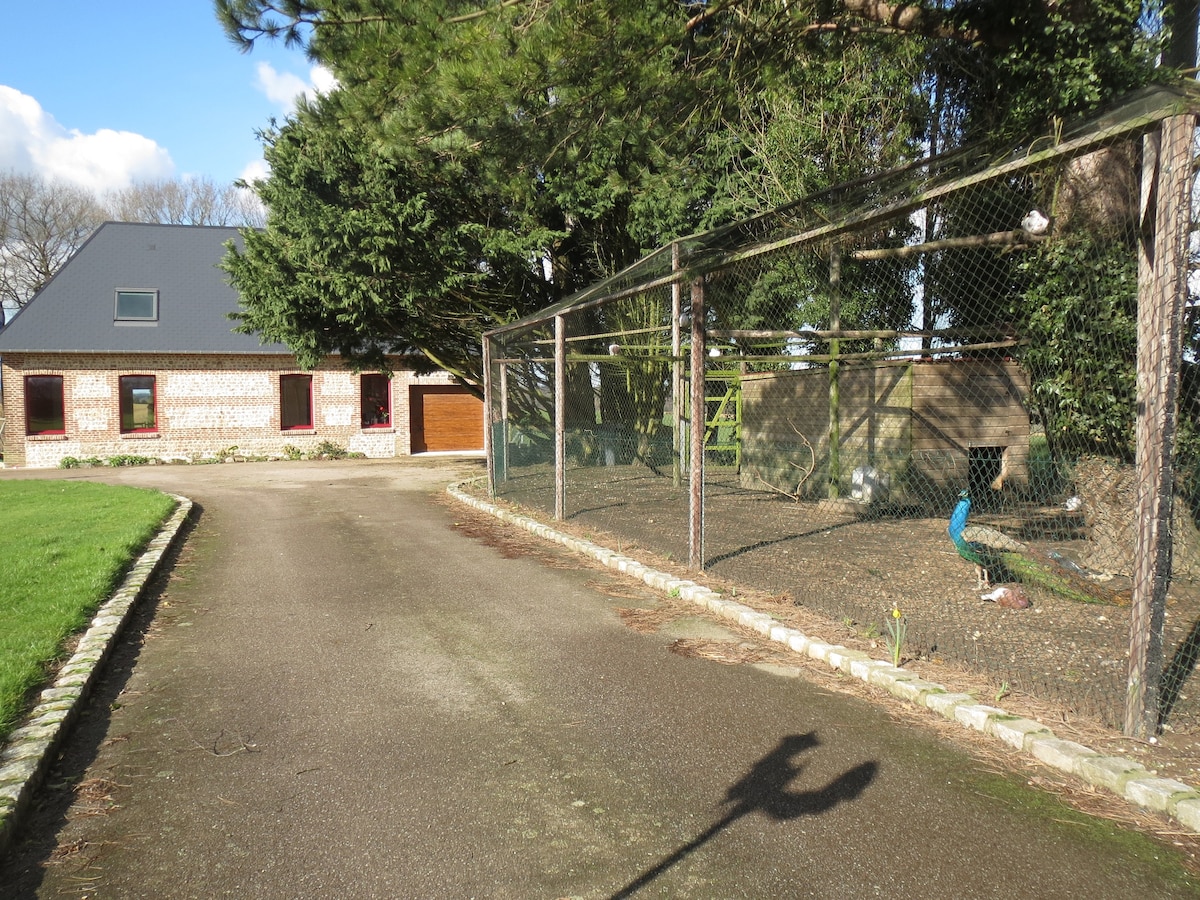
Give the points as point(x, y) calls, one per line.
point(31, 749)
point(1117, 775)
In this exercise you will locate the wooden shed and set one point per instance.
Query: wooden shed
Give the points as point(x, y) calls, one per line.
point(896, 430)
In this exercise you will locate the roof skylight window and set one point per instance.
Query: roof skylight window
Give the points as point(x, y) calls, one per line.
point(137, 306)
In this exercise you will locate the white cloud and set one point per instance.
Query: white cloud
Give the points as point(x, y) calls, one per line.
point(322, 79)
point(282, 88)
point(255, 171)
point(33, 142)
point(258, 170)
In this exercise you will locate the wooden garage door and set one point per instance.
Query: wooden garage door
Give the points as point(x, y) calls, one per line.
point(445, 417)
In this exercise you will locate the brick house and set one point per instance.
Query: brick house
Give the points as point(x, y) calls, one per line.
point(129, 351)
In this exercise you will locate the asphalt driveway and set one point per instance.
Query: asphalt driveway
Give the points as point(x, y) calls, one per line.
point(342, 690)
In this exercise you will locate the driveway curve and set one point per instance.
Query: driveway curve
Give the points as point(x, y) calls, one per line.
point(349, 685)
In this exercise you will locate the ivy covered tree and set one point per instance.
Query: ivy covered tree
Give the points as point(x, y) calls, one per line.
point(1079, 316)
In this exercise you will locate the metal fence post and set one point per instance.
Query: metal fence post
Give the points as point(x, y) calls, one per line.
point(489, 444)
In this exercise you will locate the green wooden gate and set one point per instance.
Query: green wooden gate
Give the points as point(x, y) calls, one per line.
point(723, 420)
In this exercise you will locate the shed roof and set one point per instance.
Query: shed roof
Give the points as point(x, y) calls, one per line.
point(76, 310)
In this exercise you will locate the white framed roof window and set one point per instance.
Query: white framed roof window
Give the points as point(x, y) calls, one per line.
point(135, 306)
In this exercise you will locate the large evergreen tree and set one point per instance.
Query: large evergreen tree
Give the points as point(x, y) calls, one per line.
point(549, 144)
point(583, 135)
point(366, 254)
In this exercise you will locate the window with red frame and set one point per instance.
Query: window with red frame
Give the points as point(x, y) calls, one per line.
point(295, 402)
point(137, 400)
point(44, 407)
point(376, 392)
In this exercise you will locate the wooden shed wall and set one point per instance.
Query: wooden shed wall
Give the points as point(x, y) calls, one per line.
point(965, 405)
point(909, 420)
point(875, 405)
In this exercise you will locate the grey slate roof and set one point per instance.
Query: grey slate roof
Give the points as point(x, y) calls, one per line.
point(74, 312)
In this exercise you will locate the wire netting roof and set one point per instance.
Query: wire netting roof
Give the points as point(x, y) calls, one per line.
point(851, 205)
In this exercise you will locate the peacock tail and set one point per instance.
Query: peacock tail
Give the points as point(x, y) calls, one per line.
point(1005, 560)
point(1057, 579)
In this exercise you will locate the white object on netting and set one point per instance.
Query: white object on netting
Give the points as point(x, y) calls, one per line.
point(1035, 222)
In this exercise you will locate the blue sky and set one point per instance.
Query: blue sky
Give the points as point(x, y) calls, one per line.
point(102, 93)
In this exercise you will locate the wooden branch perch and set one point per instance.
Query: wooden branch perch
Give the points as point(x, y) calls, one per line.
point(1015, 238)
point(794, 494)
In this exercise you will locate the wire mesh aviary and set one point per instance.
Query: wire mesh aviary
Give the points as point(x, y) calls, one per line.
point(799, 402)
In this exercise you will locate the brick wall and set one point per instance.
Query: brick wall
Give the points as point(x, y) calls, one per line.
point(204, 404)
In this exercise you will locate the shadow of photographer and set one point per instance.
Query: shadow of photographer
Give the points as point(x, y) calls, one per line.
point(767, 789)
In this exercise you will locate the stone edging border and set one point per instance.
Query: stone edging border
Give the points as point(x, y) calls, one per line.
point(1115, 774)
point(31, 749)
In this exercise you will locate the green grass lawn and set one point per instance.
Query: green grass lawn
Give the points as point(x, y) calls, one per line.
point(64, 547)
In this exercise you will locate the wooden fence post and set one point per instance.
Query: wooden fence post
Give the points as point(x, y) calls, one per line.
point(1162, 286)
point(696, 463)
point(677, 448)
point(502, 438)
point(560, 418)
point(489, 443)
point(835, 389)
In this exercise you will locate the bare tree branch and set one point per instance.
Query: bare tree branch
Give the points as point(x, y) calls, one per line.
point(41, 224)
point(193, 201)
point(806, 472)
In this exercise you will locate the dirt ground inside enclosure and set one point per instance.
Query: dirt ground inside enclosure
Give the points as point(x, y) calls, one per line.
point(826, 563)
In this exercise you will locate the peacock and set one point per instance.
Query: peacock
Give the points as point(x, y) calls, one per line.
point(999, 558)
point(981, 547)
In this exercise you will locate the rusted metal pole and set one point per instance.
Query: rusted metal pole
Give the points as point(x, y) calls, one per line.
point(1162, 285)
point(696, 463)
point(560, 418)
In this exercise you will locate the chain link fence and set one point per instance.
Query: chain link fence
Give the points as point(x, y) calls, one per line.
point(804, 403)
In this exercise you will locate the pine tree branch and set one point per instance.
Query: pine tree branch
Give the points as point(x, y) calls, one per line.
point(885, 18)
point(480, 13)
